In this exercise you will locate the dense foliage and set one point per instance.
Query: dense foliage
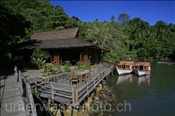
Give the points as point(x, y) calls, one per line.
point(132, 39)
point(123, 39)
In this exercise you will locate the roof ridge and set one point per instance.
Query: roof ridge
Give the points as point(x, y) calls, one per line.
point(55, 34)
point(56, 30)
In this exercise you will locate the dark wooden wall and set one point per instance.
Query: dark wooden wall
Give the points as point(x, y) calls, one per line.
point(84, 54)
point(75, 55)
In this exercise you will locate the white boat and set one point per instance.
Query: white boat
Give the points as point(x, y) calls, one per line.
point(123, 78)
point(125, 67)
point(145, 79)
point(142, 68)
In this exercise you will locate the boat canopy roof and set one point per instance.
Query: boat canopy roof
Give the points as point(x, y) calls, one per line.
point(125, 63)
point(142, 63)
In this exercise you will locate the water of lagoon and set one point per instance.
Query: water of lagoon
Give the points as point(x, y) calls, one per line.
point(152, 95)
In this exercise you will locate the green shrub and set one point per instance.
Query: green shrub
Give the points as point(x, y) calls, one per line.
point(67, 67)
point(85, 65)
point(58, 68)
point(49, 68)
point(78, 65)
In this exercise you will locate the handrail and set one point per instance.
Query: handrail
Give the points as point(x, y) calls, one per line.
point(29, 101)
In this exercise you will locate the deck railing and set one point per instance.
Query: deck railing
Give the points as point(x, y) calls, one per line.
point(70, 94)
point(24, 86)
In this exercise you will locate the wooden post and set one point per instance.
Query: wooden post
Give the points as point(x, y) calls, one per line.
point(86, 59)
point(74, 94)
point(58, 59)
point(16, 72)
point(76, 91)
point(80, 57)
point(87, 86)
point(51, 57)
point(70, 112)
point(20, 83)
point(55, 57)
point(52, 91)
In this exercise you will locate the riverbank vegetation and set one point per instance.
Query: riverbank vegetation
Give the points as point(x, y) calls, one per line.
point(122, 37)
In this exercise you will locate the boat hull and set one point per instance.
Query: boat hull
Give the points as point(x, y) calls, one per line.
point(142, 73)
point(124, 71)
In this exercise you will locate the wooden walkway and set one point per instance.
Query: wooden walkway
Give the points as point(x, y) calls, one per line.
point(16, 95)
point(10, 99)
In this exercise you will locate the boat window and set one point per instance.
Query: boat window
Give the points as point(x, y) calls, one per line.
point(123, 66)
point(137, 67)
point(119, 66)
point(141, 67)
point(127, 67)
point(145, 67)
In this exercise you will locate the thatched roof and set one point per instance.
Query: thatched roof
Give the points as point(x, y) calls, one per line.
point(58, 43)
point(55, 34)
point(68, 38)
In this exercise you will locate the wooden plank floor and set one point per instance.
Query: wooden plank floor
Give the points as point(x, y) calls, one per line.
point(63, 86)
point(10, 97)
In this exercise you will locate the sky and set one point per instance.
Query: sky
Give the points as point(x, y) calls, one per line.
point(150, 11)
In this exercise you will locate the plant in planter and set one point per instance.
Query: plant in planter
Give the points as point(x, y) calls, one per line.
point(87, 66)
point(78, 65)
point(39, 57)
point(49, 70)
point(67, 67)
point(58, 67)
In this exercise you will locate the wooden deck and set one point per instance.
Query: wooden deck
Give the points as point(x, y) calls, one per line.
point(11, 100)
point(61, 91)
point(17, 90)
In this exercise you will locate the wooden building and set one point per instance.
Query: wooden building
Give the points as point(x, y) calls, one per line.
point(63, 46)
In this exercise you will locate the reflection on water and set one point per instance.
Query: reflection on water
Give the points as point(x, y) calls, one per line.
point(144, 79)
point(152, 95)
point(124, 78)
point(131, 78)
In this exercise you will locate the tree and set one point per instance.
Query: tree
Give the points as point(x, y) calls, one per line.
point(166, 38)
point(42, 15)
point(138, 31)
point(109, 36)
point(112, 18)
point(123, 19)
point(13, 26)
